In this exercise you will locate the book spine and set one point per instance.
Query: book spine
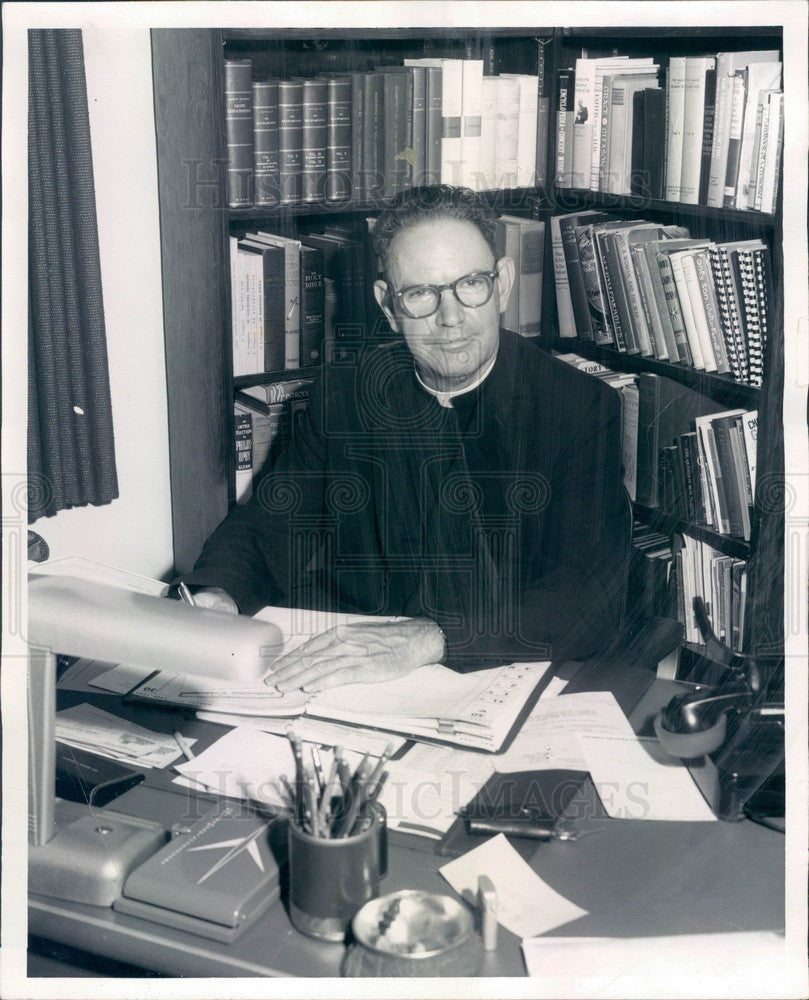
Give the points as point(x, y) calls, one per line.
point(648, 439)
point(618, 118)
point(509, 244)
point(603, 180)
point(693, 469)
point(638, 184)
point(689, 508)
point(708, 118)
point(564, 303)
point(243, 433)
point(583, 122)
point(290, 140)
point(772, 156)
point(598, 308)
point(765, 129)
point(373, 138)
point(706, 287)
point(725, 460)
point(721, 131)
point(358, 125)
point(675, 311)
point(755, 153)
point(543, 125)
point(434, 125)
point(273, 309)
point(397, 122)
point(675, 86)
point(648, 303)
point(472, 104)
point(750, 434)
point(265, 142)
point(451, 118)
point(338, 138)
point(254, 330)
point(488, 135)
point(312, 308)
point(238, 309)
point(738, 98)
point(532, 248)
point(314, 138)
point(755, 351)
point(419, 120)
point(693, 119)
point(683, 297)
point(654, 158)
point(508, 131)
point(578, 291)
point(629, 412)
point(742, 474)
point(697, 309)
point(239, 131)
point(715, 258)
point(637, 317)
point(662, 310)
point(616, 296)
point(564, 128)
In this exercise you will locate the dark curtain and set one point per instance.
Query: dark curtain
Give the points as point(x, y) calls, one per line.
point(71, 454)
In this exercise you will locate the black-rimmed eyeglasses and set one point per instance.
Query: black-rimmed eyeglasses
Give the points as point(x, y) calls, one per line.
point(472, 290)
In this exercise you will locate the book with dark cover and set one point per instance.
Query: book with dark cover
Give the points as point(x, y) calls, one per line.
point(397, 87)
point(653, 157)
point(566, 82)
point(666, 409)
point(273, 285)
point(290, 140)
point(338, 137)
point(239, 131)
point(597, 308)
point(358, 125)
point(418, 142)
point(314, 134)
point(265, 142)
point(690, 460)
point(707, 134)
point(373, 138)
point(578, 293)
point(663, 314)
point(620, 318)
point(313, 317)
point(433, 125)
point(722, 428)
point(637, 183)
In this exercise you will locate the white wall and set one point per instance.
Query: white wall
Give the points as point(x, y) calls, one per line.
point(134, 531)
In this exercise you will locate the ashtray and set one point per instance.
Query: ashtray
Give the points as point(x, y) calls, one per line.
point(414, 933)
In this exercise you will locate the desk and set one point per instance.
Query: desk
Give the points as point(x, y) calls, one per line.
point(635, 878)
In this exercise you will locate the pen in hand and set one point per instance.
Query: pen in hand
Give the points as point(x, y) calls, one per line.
point(185, 595)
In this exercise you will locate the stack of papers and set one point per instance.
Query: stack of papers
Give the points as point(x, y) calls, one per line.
point(89, 728)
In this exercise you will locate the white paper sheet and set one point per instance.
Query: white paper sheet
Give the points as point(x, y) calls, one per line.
point(547, 739)
point(636, 779)
point(427, 786)
point(330, 734)
point(630, 967)
point(90, 728)
point(214, 695)
point(248, 763)
point(526, 905)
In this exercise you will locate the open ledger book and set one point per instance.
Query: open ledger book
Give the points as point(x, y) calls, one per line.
point(476, 709)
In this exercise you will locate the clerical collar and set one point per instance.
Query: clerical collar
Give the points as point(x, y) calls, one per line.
point(445, 398)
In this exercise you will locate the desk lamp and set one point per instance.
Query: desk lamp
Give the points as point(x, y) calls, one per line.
point(76, 852)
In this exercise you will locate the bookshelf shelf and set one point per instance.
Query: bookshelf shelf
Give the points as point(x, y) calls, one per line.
point(570, 199)
point(267, 378)
point(512, 199)
point(668, 524)
point(722, 388)
point(705, 33)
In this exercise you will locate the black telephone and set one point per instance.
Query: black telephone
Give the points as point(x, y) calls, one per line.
point(731, 735)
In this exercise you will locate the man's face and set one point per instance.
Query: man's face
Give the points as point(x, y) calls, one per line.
point(457, 342)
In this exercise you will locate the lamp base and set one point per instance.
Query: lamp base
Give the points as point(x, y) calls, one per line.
point(91, 854)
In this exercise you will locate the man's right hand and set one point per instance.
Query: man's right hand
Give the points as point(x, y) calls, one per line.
point(215, 599)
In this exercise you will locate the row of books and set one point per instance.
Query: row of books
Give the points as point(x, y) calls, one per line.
point(265, 416)
point(721, 581)
point(703, 130)
point(708, 476)
point(651, 290)
point(291, 299)
point(651, 566)
point(368, 135)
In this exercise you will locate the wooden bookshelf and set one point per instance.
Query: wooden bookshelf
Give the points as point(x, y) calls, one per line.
point(188, 69)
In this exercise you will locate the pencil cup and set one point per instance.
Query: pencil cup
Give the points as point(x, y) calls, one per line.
point(331, 878)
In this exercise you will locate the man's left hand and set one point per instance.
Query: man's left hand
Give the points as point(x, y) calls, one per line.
point(364, 651)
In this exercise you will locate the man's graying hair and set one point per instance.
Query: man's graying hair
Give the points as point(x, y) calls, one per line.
point(435, 202)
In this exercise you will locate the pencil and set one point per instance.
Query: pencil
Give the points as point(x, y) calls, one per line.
point(180, 740)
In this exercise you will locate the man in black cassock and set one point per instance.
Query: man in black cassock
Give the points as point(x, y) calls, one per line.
point(457, 476)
